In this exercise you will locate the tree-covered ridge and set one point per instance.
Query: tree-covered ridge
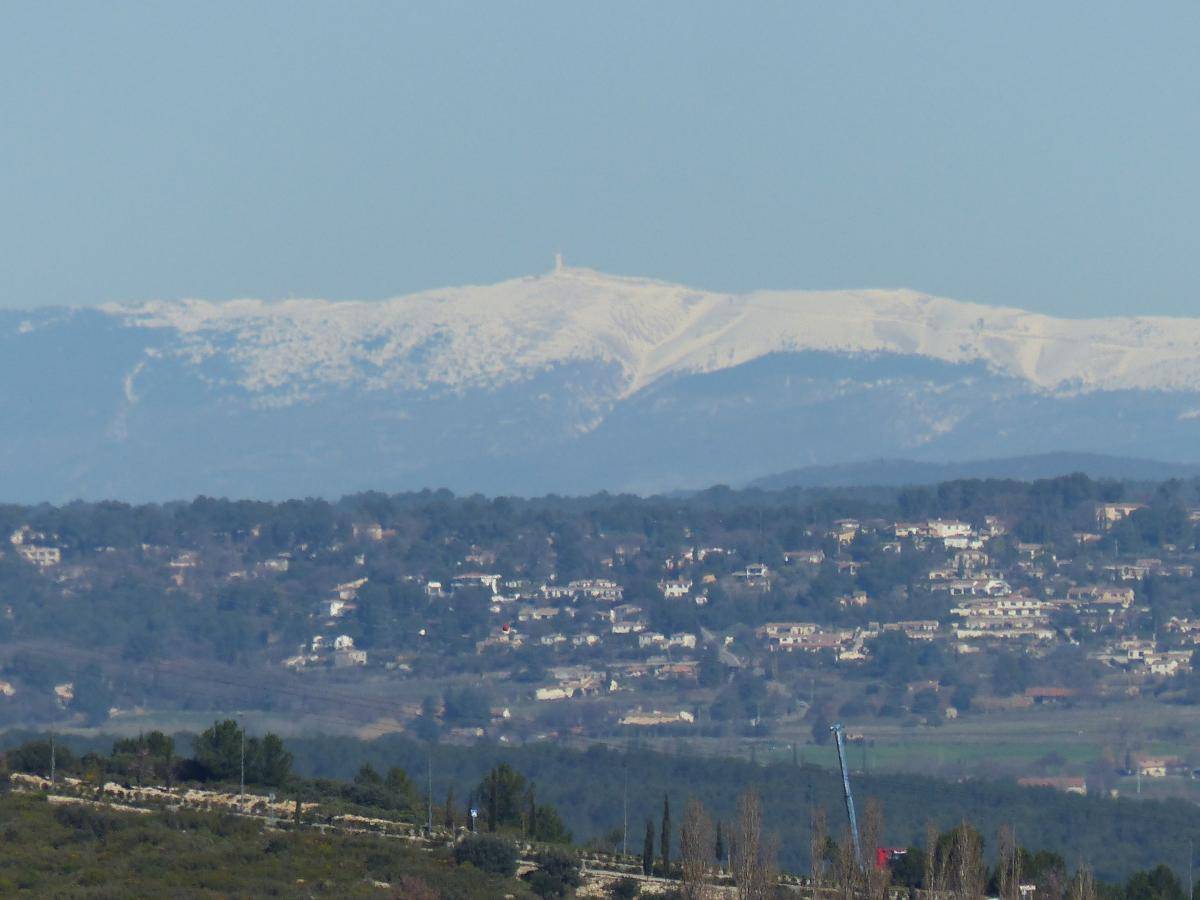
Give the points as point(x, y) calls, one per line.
point(245, 583)
point(108, 609)
point(544, 794)
point(1114, 836)
point(227, 771)
point(80, 851)
point(201, 605)
point(84, 843)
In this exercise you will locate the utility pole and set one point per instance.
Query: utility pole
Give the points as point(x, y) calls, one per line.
point(242, 780)
point(52, 758)
point(429, 824)
point(625, 811)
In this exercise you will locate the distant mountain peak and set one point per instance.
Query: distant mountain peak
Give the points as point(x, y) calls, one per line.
point(568, 380)
point(652, 329)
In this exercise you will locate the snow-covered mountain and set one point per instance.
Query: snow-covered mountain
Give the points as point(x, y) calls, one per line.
point(570, 381)
point(479, 337)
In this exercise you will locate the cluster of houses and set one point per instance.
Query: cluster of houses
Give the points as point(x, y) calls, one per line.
point(977, 590)
point(983, 608)
point(338, 651)
point(846, 644)
point(36, 547)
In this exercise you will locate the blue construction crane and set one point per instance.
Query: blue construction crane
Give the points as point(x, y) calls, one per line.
point(840, 737)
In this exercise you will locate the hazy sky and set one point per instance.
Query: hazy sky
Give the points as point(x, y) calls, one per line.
point(1045, 155)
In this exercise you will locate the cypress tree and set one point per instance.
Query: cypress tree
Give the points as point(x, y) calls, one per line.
point(450, 809)
point(719, 847)
point(532, 813)
point(664, 840)
point(493, 807)
point(648, 849)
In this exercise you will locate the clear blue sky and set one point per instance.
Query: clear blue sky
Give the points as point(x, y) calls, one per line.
point(1045, 155)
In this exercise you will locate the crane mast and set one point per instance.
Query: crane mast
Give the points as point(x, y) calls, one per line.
point(840, 738)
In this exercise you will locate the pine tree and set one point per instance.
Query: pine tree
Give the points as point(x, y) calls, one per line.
point(648, 849)
point(664, 840)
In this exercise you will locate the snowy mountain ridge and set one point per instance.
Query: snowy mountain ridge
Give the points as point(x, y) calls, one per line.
point(492, 335)
point(567, 382)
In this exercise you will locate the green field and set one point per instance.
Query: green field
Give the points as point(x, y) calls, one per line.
point(1091, 741)
point(1042, 741)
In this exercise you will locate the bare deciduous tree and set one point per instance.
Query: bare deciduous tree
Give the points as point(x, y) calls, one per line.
point(969, 878)
point(753, 853)
point(1008, 863)
point(846, 869)
point(936, 863)
point(695, 851)
point(1083, 885)
point(876, 879)
point(818, 839)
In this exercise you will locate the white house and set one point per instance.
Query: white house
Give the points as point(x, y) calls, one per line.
point(478, 579)
point(673, 589)
point(947, 528)
point(42, 557)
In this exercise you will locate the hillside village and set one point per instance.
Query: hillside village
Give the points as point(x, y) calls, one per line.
point(598, 620)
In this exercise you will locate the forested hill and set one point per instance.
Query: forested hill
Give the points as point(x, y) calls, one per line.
point(1114, 836)
point(97, 599)
point(588, 788)
point(1024, 468)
